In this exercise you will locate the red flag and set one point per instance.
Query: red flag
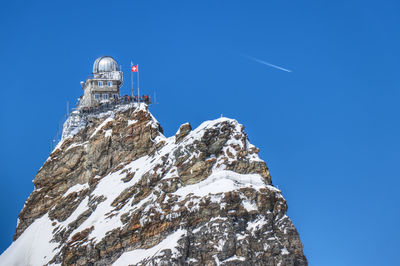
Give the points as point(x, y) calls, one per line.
point(134, 68)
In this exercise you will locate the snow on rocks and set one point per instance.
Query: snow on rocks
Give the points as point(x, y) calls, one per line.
point(76, 188)
point(118, 192)
point(34, 247)
point(138, 255)
point(100, 127)
point(222, 181)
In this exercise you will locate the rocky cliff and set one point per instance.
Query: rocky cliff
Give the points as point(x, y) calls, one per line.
point(115, 191)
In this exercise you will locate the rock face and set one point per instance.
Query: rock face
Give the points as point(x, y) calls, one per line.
point(118, 192)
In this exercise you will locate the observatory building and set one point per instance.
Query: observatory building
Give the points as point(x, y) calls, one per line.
point(101, 93)
point(104, 86)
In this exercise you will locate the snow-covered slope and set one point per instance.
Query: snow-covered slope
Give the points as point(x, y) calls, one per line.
point(117, 191)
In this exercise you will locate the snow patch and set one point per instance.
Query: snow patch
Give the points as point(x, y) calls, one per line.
point(223, 181)
point(284, 251)
point(111, 118)
point(76, 188)
point(33, 247)
point(73, 145)
point(137, 255)
point(249, 206)
point(233, 258)
point(131, 122)
point(108, 133)
point(257, 224)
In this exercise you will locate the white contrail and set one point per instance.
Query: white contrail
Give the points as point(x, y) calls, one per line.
point(266, 63)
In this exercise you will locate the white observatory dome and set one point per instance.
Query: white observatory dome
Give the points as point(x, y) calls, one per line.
point(105, 64)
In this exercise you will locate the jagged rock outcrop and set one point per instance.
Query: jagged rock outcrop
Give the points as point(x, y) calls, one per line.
point(119, 192)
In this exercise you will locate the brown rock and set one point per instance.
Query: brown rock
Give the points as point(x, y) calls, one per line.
point(182, 132)
point(245, 222)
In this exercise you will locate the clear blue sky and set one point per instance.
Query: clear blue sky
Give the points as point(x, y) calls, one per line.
point(329, 130)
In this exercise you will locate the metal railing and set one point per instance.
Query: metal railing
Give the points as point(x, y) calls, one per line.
point(110, 104)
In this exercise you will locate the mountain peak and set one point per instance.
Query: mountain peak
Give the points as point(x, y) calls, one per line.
point(116, 191)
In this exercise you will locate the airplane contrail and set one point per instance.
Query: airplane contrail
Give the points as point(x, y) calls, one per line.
point(266, 63)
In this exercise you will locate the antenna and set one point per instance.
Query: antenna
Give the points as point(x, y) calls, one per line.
point(138, 88)
point(155, 97)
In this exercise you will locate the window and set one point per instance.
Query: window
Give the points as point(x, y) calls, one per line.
point(115, 96)
point(110, 84)
point(105, 96)
point(97, 96)
point(100, 83)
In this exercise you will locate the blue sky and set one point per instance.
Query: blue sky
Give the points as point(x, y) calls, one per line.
point(329, 130)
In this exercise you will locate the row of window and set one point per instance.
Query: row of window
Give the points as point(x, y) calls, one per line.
point(104, 96)
point(101, 83)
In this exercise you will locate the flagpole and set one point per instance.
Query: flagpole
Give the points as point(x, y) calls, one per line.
point(132, 81)
point(138, 88)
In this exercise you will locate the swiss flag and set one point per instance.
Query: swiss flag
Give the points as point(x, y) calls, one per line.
point(134, 68)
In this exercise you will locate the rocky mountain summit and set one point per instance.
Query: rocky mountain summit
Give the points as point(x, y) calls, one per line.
point(116, 191)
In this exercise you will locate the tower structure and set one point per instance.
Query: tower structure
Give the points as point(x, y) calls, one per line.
point(104, 86)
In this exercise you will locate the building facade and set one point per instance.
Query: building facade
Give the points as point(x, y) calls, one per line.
point(104, 86)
